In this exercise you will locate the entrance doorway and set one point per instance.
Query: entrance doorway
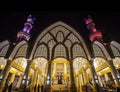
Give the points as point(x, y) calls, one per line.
point(60, 74)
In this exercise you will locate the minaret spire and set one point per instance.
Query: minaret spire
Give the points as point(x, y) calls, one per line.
point(25, 33)
point(94, 33)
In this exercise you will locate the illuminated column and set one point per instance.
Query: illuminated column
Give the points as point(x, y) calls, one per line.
point(31, 85)
point(26, 75)
point(35, 78)
point(115, 73)
point(38, 79)
point(81, 82)
point(42, 80)
point(117, 83)
point(100, 81)
point(65, 70)
point(106, 77)
point(12, 77)
point(33, 81)
point(76, 78)
point(95, 79)
point(19, 81)
point(54, 68)
point(85, 77)
point(5, 75)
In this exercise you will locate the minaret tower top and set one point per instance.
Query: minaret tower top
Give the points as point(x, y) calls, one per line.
point(94, 33)
point(25, 33)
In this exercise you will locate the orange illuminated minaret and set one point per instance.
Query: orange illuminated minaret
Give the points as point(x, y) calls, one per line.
point(94, 33)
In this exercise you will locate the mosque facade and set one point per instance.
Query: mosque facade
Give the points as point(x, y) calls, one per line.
point(59, 59)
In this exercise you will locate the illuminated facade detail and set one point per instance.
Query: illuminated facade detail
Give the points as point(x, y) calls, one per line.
point(59, 58)
point(25, 33)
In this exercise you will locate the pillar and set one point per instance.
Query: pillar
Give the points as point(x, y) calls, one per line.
point(100, 81)
point(115, 73)
point(5, 75)
point(12, 77)
point(65, 68)
point(85, 77)
point(81, 80)
point(33, 81)
point(107, 78)
point(25, 77)
point(35, 78)
point(19, 81)
point(54, 68)
point(79, 83)
point(65, 74)
point(72, 79)
point(76, 78)
point(95, 79)
point(27, 71)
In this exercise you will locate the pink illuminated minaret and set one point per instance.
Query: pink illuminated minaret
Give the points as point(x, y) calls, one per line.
point(25, 33)
point(94, 33)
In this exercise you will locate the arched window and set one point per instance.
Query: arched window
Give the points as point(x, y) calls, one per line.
point(22, 52)
point(60, 51)
point(77, 50)
point(41, 51)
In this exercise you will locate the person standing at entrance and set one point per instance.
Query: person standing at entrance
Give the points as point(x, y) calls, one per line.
point(60, 79)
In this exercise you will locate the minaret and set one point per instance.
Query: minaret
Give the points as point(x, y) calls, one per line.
point(94, 33)
point(25, 33)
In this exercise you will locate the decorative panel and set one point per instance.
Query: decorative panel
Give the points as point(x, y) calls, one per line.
point(115, 51)
point(4, 50)
point(60, 36)
point(97, 51)
point(77, 50)
point(46, 38)
point(41, 51)
point(68, 44)
point(51, 44)
point(59, 28)
point(73, 38)
point(22, 52)
point(60, 51)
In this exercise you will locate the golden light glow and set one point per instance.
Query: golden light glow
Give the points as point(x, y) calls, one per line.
point(116, 62)
point(98, 62)
point(22, 62)
point(2, 62)
point(40, 63)
point(60, 60)
point(79, 64)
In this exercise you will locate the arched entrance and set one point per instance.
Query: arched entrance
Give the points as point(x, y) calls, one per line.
point(60, 74)
point(82, 75)
point(104, 73)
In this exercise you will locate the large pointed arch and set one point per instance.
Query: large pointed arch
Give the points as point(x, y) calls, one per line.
point(58, 26)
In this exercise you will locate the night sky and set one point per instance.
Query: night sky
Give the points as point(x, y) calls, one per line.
point(13, 21)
